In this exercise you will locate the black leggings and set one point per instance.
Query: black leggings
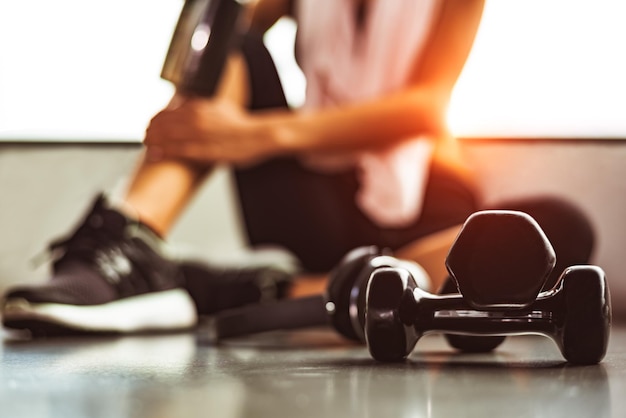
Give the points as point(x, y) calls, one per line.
point(314, 215)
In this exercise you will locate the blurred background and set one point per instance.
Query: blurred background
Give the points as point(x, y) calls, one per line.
point(540, 109)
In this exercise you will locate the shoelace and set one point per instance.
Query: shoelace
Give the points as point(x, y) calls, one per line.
point(80, 245)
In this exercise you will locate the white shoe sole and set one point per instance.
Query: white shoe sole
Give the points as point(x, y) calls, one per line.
point(159, 311)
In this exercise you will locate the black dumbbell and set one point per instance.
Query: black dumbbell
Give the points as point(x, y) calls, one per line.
point(500, 262)
point(469, 343)
point(341, 306)
point(206, 32)
point(524, 267)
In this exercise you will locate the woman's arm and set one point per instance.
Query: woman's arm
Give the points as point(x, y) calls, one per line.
point(418, 109)
point(264, 13)
point(215, 130)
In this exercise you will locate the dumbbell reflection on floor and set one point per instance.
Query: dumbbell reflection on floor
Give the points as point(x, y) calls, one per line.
point(500, 262)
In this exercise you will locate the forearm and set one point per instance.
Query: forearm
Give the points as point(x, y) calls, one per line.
point(262, 14)
point(369, 125)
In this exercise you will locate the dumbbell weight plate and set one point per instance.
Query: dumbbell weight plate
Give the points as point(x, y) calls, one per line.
point(587, 320)
point(500, 260)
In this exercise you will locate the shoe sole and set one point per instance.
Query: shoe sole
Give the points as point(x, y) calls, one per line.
point(161, 311)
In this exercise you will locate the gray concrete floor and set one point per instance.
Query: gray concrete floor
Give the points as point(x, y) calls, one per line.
point(309, 373)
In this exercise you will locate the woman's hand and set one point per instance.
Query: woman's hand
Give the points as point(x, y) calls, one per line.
point(207, 131)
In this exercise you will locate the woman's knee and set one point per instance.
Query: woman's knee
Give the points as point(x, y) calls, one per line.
point(566, 225)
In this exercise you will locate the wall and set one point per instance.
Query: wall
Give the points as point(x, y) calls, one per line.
point(46, 188)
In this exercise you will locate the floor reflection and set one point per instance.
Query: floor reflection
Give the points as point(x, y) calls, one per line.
point(306, 374)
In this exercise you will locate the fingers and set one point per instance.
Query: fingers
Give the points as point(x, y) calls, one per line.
point(167, 126)
point(203, 131)
point(185, 150)
point(203, 153)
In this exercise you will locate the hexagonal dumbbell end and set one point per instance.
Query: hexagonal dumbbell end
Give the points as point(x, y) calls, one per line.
point(500, 259)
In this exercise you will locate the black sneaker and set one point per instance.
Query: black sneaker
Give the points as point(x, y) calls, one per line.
point(108, 277)
point(215, 288)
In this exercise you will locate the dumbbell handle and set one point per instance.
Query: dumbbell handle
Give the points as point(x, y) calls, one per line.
point(282, 315)
point(452, 314)
point(576, 315)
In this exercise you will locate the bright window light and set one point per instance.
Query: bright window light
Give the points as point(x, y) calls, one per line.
point(545, 68)
point(83, 70)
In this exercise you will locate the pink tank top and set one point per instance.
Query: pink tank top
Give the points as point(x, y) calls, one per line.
point(345, 62)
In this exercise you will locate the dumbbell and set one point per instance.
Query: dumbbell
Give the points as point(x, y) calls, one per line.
point(206, 32)
point(469, 343)
point(341, 306)
point(544, 262)
point(500, 261)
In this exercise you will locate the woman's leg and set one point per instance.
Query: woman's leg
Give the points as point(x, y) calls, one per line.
point(430, 252)
point(449, 199)
point(566, 226)
point(110, 274)
point(159, 191)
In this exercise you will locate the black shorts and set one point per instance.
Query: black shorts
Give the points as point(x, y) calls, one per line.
point(314, 215)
